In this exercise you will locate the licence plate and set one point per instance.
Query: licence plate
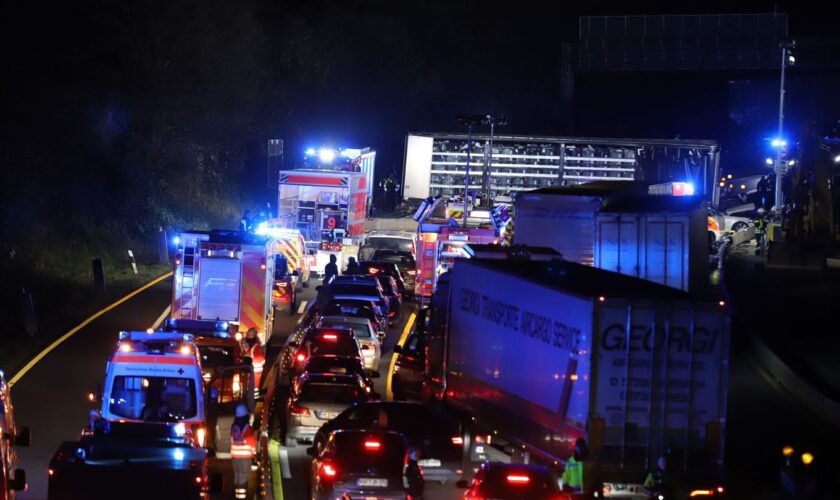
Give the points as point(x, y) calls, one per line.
point(327, 415)
point(372, 481)
point(429, 462)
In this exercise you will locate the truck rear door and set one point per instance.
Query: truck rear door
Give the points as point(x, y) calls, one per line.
point(219, 285)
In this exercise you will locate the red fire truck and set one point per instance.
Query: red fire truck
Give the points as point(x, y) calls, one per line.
point(438, 247)
point(224, 276)
point(328, 208)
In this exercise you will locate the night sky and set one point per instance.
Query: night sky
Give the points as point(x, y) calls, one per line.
point(133, 115)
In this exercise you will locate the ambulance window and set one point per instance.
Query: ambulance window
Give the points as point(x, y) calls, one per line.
point(153, 398)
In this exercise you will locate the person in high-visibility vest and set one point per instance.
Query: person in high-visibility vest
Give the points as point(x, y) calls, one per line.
point(251, 347)
point(582, 474)
point(243, 448)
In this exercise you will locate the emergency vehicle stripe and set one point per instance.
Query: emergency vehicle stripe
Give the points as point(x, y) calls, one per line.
point(317, 181)
point(291, 253)
point(160, 360)
point(252, 305)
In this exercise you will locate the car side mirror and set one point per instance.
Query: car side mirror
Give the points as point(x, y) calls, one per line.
point(462, 483)
point(22, 436)
point(19, 482)
point(398, 349)
point(312, 452)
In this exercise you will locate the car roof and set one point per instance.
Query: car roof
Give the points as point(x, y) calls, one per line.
point(499, 467)
point(354, 279)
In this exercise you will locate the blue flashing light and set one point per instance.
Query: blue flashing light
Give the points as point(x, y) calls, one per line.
point(778, 143)
point(310, 151)
point(180, 429)
point(326, 155)
point(176, 240)
point(178, 454)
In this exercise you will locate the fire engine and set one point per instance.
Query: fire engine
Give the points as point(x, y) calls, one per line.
point(224, 276)
point(438, 247)
point(328, 208)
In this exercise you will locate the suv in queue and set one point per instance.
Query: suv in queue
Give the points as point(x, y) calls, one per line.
point(360, 288)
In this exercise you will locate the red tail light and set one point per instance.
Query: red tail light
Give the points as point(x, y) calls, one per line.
point(300, 358)
point(330, 336)
point(518, 479)
point(371, 445)
point(457, 440)
point(328, 471)
point(392, 314)
point(299, 410)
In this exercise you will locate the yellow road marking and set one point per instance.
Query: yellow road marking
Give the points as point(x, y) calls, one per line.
point(162, 317)
point(389, 394)
point(276, 475)
point(19, 375)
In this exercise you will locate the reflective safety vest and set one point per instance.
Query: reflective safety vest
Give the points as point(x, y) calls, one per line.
point(243, 443)
point(581, 476)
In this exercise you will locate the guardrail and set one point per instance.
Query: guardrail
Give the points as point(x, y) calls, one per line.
point(800, 390)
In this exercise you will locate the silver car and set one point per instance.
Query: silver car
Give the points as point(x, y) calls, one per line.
point(316, 399)
point(368, 340)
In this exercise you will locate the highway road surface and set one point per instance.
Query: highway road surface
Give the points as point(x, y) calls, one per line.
point(51, 399)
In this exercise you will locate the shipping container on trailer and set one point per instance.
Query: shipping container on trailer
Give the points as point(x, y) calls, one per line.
point(543, 353)
point(224, 276)
point(657, 238)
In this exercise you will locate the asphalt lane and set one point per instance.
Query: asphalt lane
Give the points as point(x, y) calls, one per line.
point(294, 460)
point(51, 397)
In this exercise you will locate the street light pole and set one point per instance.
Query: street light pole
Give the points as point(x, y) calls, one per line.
point(492, 121)
point(778, 167)
point(467, 177)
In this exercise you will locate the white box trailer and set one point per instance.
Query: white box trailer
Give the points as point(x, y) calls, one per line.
point(637, 369)
point(662, 239)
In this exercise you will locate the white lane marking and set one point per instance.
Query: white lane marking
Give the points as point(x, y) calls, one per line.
point(162, 317)
point(302, 307)
point(284, 462)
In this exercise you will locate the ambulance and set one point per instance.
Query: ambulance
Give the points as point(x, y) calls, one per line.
point(224, 275)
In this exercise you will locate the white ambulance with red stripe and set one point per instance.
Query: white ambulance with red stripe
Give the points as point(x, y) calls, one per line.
point(155, 377)
point(224, 275)
point(328, 208)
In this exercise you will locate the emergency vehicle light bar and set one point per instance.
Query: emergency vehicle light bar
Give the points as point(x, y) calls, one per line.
point(199, 327)
point(156, 336)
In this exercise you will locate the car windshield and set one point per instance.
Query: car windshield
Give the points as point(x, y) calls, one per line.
point(361, 330)
point(342, 346)
point(215, 356)
point(354, 289)
point(330, 393)
point(384, 243)
point(404, 259)
point(153, 398)
point(356, 452)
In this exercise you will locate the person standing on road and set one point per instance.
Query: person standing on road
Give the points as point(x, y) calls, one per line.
point(243, 448)
point(582, 474)
point(352, 266)
point(251, 347)
point(331, 269)
point(661, 481)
